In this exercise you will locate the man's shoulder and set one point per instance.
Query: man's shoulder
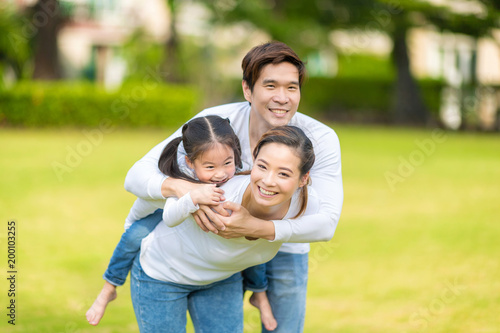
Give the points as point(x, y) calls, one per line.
point(230, 110)
point(313, 128)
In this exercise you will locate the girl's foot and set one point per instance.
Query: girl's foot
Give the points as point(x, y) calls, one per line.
point(96, 311)
point(261, 302)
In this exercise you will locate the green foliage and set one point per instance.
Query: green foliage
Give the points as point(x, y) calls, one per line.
point(365, 66)
point(61, 104)
point(359, 98)
point(14, 45)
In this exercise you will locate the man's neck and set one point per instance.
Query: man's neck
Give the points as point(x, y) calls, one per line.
point(256, 127)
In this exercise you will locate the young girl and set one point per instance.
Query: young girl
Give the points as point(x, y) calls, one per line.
point(213, 155)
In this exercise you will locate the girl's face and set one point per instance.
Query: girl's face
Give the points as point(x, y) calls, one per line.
point(275, 175)
point(216, 165)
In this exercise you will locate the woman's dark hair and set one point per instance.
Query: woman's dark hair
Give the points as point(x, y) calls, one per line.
point(199, 135)
point(269, 53)
point(293, 137)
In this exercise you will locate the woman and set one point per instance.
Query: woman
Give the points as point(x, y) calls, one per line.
point(184, 268)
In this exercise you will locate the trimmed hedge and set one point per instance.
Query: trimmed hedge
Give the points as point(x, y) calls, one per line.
point(360, 98)
point(84, 104)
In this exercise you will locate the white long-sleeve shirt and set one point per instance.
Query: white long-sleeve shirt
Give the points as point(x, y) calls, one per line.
point(144, 179)
point(179, 251)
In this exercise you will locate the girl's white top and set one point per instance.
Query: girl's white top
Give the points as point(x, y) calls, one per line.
point(179, 251)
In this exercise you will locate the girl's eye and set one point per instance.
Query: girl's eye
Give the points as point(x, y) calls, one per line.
point(260, 166)
point(229, 162)
point(284, 174)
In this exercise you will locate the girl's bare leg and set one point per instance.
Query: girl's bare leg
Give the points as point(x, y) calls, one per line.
point(261, 302)
point(96, 311)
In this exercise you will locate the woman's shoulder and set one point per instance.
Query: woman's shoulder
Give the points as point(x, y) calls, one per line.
point(235, 186)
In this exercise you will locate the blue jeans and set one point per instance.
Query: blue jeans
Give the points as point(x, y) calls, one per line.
point(161, 306)
point(255, 278)
point(128, 247)
point(287, 278)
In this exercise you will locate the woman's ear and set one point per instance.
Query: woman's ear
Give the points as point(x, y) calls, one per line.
point(189, 163)
point(304, 180)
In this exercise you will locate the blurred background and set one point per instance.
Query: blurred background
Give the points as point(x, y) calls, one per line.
point(411, 62)
point(412, 88)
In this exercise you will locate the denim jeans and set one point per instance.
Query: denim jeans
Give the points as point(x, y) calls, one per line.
point(287, 278)
point(161, 306)
point(128, 247)
point(255, 278)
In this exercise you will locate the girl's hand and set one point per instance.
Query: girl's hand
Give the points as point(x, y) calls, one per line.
point(208, 194)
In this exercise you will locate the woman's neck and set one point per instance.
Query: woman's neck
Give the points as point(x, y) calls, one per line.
point(276, 212)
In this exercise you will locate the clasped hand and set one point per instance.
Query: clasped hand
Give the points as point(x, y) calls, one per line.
point(228, 219)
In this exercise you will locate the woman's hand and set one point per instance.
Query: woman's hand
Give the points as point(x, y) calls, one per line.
point(242, 224)
point(207, 194)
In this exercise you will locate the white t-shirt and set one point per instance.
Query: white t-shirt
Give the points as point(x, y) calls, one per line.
point(144, 179)
point(179, 251)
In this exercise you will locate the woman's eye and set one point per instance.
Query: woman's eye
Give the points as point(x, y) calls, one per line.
point(284, 174)
point(260, 166)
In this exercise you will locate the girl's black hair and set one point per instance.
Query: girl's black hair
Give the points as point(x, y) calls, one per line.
point(198, 135)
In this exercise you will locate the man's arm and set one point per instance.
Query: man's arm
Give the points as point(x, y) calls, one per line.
point(326, 178)
point(145, 180)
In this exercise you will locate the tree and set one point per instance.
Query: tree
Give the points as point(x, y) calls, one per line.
point(305, 26)
point(45, 20)
point(14, 47)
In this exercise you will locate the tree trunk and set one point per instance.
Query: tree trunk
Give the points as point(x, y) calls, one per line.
point(171, 63)
point(47, 21)
point(409, 107)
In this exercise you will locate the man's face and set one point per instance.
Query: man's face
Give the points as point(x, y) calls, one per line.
point(275, 96)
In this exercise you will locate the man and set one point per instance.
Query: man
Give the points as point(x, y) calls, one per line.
point(272, 79)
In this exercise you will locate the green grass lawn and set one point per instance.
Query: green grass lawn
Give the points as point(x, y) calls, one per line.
point(416, 250)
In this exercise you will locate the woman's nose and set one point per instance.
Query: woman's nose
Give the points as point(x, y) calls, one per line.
point(268, 179)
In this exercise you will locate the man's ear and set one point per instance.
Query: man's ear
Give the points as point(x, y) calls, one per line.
point(247, 92)
point(189, 163)
point(304, 180)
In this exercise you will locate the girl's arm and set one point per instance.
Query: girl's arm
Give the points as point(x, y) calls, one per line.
point(177, 210)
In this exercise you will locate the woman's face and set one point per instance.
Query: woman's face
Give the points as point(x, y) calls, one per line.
point(275, 175)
